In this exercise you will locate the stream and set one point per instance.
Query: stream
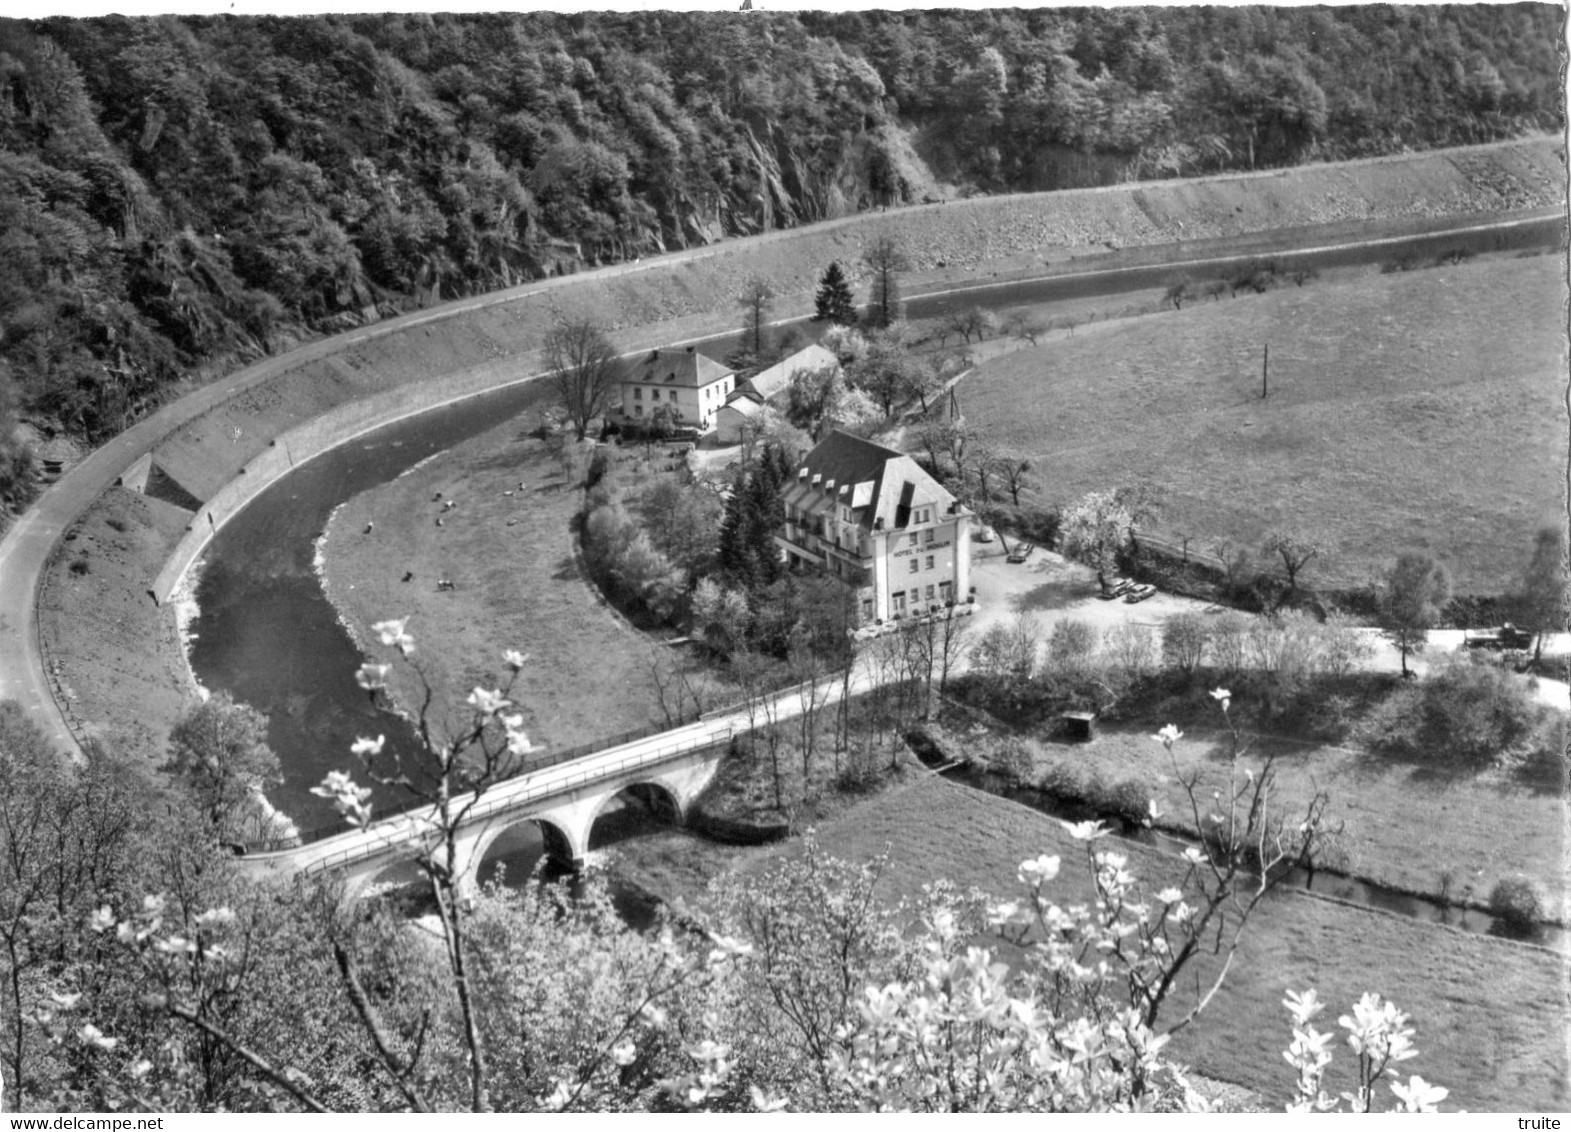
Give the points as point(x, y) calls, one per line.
point(1351, 890)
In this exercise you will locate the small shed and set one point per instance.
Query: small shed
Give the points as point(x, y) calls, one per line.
point(1079, 724)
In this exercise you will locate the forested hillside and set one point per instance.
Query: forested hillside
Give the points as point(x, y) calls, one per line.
point(176, 192)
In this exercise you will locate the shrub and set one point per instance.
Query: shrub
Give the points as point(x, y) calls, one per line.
point(1470, 711)
point(1184, 641)
point(1131, 649)
point(1061, 781)
point(1227, 640)
point(600, 464)
point(1483, 710)
point(1518, 903)
point(1013, 758)
point(1129, 800)
point(1071, 643)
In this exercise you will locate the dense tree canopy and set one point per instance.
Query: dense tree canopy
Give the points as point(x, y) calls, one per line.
point(179, 191)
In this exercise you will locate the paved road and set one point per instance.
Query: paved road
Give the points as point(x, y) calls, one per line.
point(25, 548)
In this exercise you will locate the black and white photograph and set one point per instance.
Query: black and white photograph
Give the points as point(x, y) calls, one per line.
point(760, 559)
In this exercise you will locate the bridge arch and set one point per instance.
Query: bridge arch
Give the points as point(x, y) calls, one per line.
point(526, 838)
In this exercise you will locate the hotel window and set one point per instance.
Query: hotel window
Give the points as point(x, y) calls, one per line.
point(927, 535)
point(915, 597)
point(867, 609)
point(638, 410)
point(914, 565)
point(672, 395)
point(943, 591)
point(928, 565)
point(911, 539)
point(638, 394)
point(929, 593)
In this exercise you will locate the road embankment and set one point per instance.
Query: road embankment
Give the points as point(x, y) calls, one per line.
point(231, 430)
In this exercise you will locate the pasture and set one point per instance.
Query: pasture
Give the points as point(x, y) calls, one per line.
point(493, 516)
point(1488, 1012)
point(1413, 410)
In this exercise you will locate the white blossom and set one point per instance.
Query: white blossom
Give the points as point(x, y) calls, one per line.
point(487, 701)
point(93, 1036)
point(372, 676)
point(368, 748)
point(1039, 871)
point(394, 633)
point(1419, 1095)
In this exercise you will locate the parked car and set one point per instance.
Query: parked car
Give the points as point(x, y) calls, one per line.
point(1021, 552)
point(985, 534)
point(1115, 588)
point(1139, 593)
point(1507, 636)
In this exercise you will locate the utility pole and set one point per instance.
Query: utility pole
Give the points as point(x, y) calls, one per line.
point(1265, 371)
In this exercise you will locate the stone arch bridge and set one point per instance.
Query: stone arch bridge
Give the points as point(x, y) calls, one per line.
point(668, 770)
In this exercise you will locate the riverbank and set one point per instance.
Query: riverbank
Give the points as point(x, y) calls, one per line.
point(494, 518)
point(202, 443)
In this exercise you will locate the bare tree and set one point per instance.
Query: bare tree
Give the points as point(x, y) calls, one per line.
point(756, 301)
point(886, 260)
point(952, 644)
point(1295, 548)
point(1026, 326)
point(583, 366)
point(1013, 469)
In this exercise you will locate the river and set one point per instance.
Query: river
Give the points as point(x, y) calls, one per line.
point(266, 633)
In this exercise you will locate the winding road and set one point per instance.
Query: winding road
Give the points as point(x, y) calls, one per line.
point(26, 547)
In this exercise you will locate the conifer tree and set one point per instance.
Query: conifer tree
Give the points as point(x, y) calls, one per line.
point(833, 302)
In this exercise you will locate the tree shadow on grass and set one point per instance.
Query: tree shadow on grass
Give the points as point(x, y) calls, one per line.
point(1424, 767)
point(1054, 593)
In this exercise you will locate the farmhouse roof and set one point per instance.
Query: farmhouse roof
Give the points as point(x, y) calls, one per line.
point(879, 485)
point(744, 399)
point(687, 368)
point(774, 379)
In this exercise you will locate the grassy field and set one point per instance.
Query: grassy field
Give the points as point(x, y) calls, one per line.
point(1488, 1013)
point(1404, 824)
point(1411, 410)
point(507, 546)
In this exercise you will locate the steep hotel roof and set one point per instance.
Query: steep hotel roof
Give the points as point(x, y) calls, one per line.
point(880, 485)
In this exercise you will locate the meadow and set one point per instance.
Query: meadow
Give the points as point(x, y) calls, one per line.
point(1488, 1013)
point(1409, 827)
point(507, 545)
point(1413, 410)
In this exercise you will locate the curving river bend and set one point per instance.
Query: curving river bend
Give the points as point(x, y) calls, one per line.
point(266, 633)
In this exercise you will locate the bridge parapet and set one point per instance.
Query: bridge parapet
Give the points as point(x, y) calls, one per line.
point(528, 795)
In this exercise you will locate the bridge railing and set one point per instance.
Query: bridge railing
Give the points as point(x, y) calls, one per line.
point(422, 820)
point(411, 805)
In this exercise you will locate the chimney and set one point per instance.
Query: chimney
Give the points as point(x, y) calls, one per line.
point(817, 479)
point(829, 486)
point(801, 474)
point(692, 349)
